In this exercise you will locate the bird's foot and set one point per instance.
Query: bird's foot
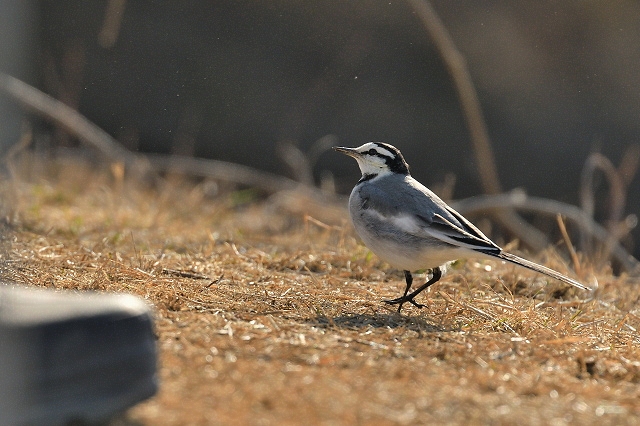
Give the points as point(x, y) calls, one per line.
point(401, 300)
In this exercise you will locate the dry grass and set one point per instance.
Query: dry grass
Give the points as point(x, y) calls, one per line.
point(264, 317)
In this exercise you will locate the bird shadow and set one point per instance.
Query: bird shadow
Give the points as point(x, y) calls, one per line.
point(378, 320)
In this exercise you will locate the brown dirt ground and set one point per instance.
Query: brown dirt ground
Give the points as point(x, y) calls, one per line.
point(265, 316)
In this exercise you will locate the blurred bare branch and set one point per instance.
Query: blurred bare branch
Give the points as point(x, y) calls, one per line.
point(597, 161)
point(617, 226)
point(220, 170)
point(42, 104)
point(111, 25)
point(63, 77)
point(319, 147)
point(10, 160)
point(629, 164)
point(519, 200)
point(301, 163)
point(457, 67)
point(23, 143)
point(36, 101)
point(296, 160)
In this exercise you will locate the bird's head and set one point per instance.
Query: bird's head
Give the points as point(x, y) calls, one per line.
point(377, 159)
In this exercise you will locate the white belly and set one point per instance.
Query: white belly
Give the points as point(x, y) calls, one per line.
point(410, 257)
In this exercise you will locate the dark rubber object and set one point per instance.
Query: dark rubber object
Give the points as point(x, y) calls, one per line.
point(69, 357)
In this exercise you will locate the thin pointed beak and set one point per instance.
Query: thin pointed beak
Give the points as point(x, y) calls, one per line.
point(348, 151)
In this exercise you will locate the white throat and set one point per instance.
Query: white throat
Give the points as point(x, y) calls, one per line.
point(368, 167)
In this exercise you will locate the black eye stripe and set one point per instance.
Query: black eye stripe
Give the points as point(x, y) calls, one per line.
point(375, 152)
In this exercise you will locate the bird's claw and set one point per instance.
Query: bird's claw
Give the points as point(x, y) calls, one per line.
point(416, 304)
point(401, 300)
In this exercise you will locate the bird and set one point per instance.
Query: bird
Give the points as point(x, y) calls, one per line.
point(408, 226)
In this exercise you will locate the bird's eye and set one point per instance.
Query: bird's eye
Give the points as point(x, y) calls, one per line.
point(372, 152)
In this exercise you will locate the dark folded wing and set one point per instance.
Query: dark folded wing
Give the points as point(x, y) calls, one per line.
point(466, 235)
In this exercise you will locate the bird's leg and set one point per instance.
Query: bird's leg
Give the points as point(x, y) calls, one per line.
point(409, 279)
point(400, 300)
point(436, 274)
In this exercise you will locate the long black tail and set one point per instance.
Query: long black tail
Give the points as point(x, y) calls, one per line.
point(539, 268)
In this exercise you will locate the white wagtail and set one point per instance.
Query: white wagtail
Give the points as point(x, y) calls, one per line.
point(410, 227)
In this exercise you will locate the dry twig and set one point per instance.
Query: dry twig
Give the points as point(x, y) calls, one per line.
point(567, 241)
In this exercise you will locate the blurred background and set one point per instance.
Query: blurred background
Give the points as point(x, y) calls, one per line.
point(239, 80)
